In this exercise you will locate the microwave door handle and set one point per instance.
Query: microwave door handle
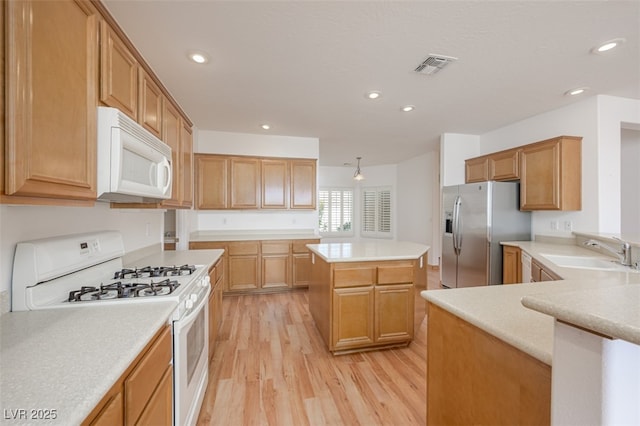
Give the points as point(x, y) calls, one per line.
point(167, 174)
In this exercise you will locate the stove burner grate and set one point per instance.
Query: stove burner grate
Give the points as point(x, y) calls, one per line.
point(154, 272)
point(120, 290)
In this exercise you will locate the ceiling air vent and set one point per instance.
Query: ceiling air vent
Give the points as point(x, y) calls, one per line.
point(434, 63)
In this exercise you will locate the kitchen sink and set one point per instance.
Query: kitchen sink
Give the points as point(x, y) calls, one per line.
point(585, 262)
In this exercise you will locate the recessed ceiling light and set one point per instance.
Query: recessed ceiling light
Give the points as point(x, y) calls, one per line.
point(373, 95)
point(265, 127)
point(199, 57)
point(608, 45)
point(576, 91)
point(408, 108)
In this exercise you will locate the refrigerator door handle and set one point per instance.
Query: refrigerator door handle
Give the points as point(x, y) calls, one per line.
point(456, 226)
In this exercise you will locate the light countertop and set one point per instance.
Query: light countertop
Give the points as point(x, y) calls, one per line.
point(241, 235)
point(603, 301)
point(67, 359)
point(180, 257)
point(366, 251)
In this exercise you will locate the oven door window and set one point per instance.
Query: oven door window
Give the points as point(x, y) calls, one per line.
point(195, 344)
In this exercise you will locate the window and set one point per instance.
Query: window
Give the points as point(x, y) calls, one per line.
point(336, 211)
point(376, 212)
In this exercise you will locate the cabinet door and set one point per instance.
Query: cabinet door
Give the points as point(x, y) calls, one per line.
point(186, 145)
point(112, 414)
point(394, 309)
point(353, 318)
point(150, 104)
point(504, 165)
point(303, 184)
point(540, 180)
point(159, 409)
point(476, 170)
point(511, 265)
point(274, 184)
point(275, 270)
point(301, 269)
point(245, 183)
point(171, 132)
point(244, 273)
point(118, 73)
point(211, 182)
point(51, 97)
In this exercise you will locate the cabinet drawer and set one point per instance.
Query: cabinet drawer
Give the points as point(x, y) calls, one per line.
point(279, 247)
point(141, 384)
point(240, 249)
point(395, 274)
point(354, 277)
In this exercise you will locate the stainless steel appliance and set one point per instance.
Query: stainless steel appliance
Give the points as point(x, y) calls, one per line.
point(87, 270)
point(476, 217)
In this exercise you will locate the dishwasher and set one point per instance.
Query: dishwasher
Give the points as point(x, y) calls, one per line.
point(526, 266)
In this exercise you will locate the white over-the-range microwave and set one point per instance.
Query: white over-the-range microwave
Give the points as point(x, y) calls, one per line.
point(133, 165)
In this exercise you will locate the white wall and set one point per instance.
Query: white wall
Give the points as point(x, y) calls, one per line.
point(454, 149)
point(418, 188)
point(630, 185)
point(140, 228)
point(212, 142)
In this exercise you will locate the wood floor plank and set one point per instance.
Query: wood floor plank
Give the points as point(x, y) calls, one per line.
point(271, 367)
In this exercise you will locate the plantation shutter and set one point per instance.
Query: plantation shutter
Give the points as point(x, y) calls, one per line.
point(376, 213)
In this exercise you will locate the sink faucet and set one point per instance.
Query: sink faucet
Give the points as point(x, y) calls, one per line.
point(624, 254)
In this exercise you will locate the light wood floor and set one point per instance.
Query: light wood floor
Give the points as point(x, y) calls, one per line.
point(271, 367)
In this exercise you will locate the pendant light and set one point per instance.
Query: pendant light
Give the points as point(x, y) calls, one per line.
point(358, 175)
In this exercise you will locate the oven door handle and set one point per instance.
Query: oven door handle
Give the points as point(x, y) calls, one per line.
point(187, 320)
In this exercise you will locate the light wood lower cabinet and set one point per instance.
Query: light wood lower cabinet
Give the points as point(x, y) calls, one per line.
point(475, 378)
point(216, 275)
point(362, 305)
point(540, 273)
point(511, 265)
point(144, 393)
point(262, 266)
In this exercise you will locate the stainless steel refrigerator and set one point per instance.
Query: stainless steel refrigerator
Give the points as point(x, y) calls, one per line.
point(476, 217)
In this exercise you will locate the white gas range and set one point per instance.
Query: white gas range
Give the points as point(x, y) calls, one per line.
point(87, 270)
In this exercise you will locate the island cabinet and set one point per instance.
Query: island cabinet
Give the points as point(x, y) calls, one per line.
point(51, 67)
point(362, 305)
point(551, 174)
point(475, 378)
point(144, 393)
point(511, 265)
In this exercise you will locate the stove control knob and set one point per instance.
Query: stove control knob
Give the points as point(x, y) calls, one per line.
point(188, 304)
point(193, 298)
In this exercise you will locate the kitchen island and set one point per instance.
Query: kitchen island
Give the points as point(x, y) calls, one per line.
point(361, 295)
point(504, 351)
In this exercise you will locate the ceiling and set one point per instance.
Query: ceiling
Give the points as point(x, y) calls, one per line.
point(304, 66)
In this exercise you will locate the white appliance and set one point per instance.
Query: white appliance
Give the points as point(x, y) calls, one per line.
point(133, 164)
point(476, 217)
point(525, 259)
point(87, 270)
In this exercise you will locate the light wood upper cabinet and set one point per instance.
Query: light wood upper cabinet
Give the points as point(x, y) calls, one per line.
point(212, 182)
point(303, 184)
point(118, 73)
point(551, 175)
point(244, 183)
point(254, 183)
point(186, 169)
point(274, 183)
point(51, 98)
point(505, 165)
point(150, 101)
point(171, 131)
point(476, 170)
